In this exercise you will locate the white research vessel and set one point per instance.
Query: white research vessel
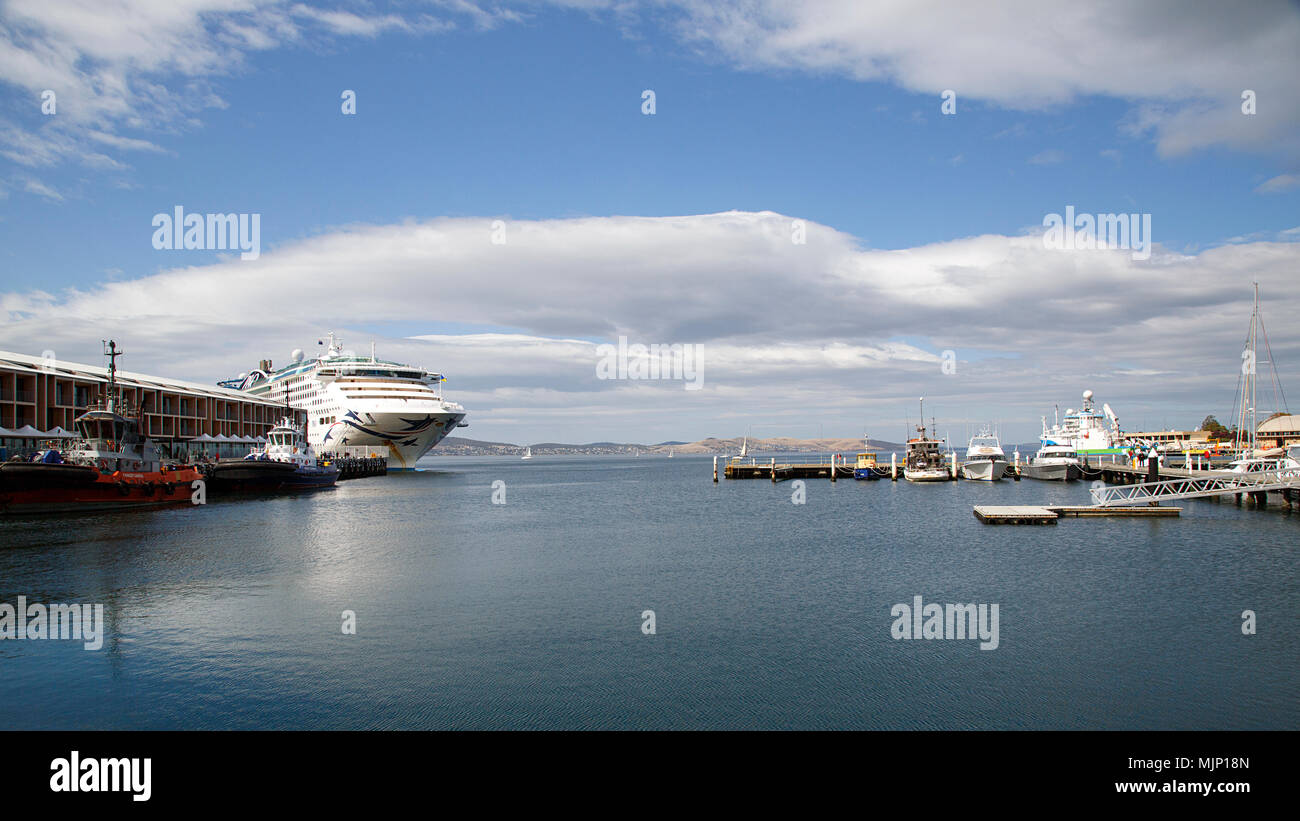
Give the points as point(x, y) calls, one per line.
point(1088, 431)
point(358, 406)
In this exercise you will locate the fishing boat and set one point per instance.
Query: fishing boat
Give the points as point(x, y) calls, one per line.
point(110, 466)
point(528, 453)
point(866, 466)
point(985, 460)
point(925, 462)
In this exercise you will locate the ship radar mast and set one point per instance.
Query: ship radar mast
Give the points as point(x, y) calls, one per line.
point(112, 352)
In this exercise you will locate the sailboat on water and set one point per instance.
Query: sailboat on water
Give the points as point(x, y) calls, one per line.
point(528, 453)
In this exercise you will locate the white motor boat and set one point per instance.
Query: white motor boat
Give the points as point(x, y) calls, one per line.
point(985, 460)
point(1054, 463)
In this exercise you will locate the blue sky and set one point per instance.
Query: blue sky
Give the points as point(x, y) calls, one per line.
point(536, 117)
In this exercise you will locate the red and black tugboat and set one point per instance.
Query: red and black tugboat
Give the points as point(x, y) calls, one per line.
point(111, 466)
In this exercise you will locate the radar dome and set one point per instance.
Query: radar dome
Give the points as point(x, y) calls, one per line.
point(297, 355)
point(1087, 394)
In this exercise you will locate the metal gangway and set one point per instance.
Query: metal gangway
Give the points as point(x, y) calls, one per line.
point(1171, 489)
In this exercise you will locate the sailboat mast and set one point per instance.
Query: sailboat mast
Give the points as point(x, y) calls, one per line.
point(1255, 325)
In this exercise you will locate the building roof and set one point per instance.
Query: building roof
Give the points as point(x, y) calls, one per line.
point(129, 379)
point(1280, 424)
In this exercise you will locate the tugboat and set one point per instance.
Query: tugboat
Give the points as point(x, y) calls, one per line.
point(286, 445)
point(925, 462)
point(112, 466)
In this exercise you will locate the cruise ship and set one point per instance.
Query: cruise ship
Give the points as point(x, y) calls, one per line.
point(359, 406)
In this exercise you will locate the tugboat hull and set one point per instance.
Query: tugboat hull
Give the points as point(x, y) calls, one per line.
point(247, 476)
point(65, 488)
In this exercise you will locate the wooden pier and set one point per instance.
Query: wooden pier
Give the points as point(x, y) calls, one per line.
point(1049, 515)
point(781, 472)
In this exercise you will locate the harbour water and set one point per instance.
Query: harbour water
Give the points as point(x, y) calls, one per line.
point(768, 614)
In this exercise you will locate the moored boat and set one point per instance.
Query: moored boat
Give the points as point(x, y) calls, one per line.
point(866, 466)
point(925, 461)
point(110, 466)
point(1053, 463)
point(985, 460)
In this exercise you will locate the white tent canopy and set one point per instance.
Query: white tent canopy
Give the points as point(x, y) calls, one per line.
point(28, 431)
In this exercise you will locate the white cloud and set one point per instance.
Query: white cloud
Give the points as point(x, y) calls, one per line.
point(829, 330)
point(1184, 69)
point(1050, 156)
point(1279, 184)
point(39, 188)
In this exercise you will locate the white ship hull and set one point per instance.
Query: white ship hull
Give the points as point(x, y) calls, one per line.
point(984, 470)
point(1050, 472)
point(400, 436)
point(926, 474)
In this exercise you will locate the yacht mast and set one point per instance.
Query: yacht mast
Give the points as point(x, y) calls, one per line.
point(1246, 436)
